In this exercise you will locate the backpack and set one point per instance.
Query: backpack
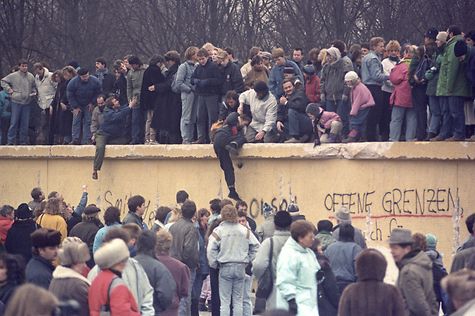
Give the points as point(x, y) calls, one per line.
point(438, 273)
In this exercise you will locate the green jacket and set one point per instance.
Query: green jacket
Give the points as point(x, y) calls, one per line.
point(432, 76)
point(452, 79)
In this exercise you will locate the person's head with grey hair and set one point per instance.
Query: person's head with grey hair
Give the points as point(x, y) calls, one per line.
point(7, 211)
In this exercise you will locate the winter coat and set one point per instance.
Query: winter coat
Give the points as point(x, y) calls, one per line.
point(359, 238)
point(342, 256)
point(264, 112)
point(5, 225)
point(101, 233)
point(207, 79)
point(106, 79)
point(326, 239)
point(6, 292)
point(204, 266)
point(388, 65)
point(22, 84)
point(114, 121)
point(225, 110)
point(253, 76)
point(266, 229)
point(39, 271)
point(328, 118)
point(228, 133)
point(415, 282)
point(86, 231)
point(152, 76)
point(328, 293)
point(181, 275)
point(120, 88)
point(62, 119)
point(183, 76)
point(167, 113)
point(97, 119)
point(332, 82)
point(46, 89)
point(161, 280)
point(370, 295)
point(67, 284)
point(372, 72)
point(232, 78)
point(134, 83)
point(360, 98)
point(276, 77)
point(461, 259)
point(5, 105)
point(81, 93)
point(121, 300)
point(399, 77)
point(432, 76)
point(18, 239)
point(296, 278)
point(297, 101)
point(55, 222)
point(452, 75)
point(312, 88)
point(231, 243)
point(136, 281)
point(470, 68)
point(185, 243)
point(261, 262)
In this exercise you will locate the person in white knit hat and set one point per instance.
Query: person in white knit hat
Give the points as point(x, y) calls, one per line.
point(68, 282)
point(108, 292)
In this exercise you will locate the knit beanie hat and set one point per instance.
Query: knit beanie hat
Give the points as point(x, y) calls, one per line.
point(431, 241)
point(432, 33)
point(111, 253)
point(334, 52)
point(460, 48)
point(73, 251)
point(42, 238)
point(309, 69)
point(282, 219)
point(351, 76)
point(442, 36)
point(23, 212)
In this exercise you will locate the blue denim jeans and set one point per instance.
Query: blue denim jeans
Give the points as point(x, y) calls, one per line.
point(446, 128)
point(247, 301)
point(82, 119)
point(138, 126)
point(20, 119)
point(299, 124)
point(435, 114)
point(357, 122)
point(185, 303)
point(231, 288)
point(397, 116)
point(342, 108)
point(207, 111)
point(188, 116)
point(457, 113)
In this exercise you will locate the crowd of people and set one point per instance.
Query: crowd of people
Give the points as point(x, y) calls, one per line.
point(374, 91)
point(62, 260)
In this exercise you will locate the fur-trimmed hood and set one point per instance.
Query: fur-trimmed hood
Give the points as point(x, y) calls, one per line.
point(62, 272)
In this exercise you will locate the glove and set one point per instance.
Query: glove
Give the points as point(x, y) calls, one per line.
point(293, 306)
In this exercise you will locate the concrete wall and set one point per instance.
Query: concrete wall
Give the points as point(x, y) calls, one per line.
point(427, 187)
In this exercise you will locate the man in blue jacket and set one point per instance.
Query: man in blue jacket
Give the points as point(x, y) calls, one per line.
point(276, 77)
point(82, 92)
point(112, 131)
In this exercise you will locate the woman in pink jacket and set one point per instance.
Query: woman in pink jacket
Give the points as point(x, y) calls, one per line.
point(361, 101)
point(327, 126)
point(401, 100)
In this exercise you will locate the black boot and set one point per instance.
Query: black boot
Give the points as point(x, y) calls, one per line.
point(232, 147)
point(233, 194)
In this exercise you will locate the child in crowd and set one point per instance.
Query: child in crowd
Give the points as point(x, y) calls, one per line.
point(327, 125)
point(361, 101)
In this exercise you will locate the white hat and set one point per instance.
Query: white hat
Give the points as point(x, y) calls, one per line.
point(111, 253)
point(73, 251)
point(334, 52)
point(351, 76)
